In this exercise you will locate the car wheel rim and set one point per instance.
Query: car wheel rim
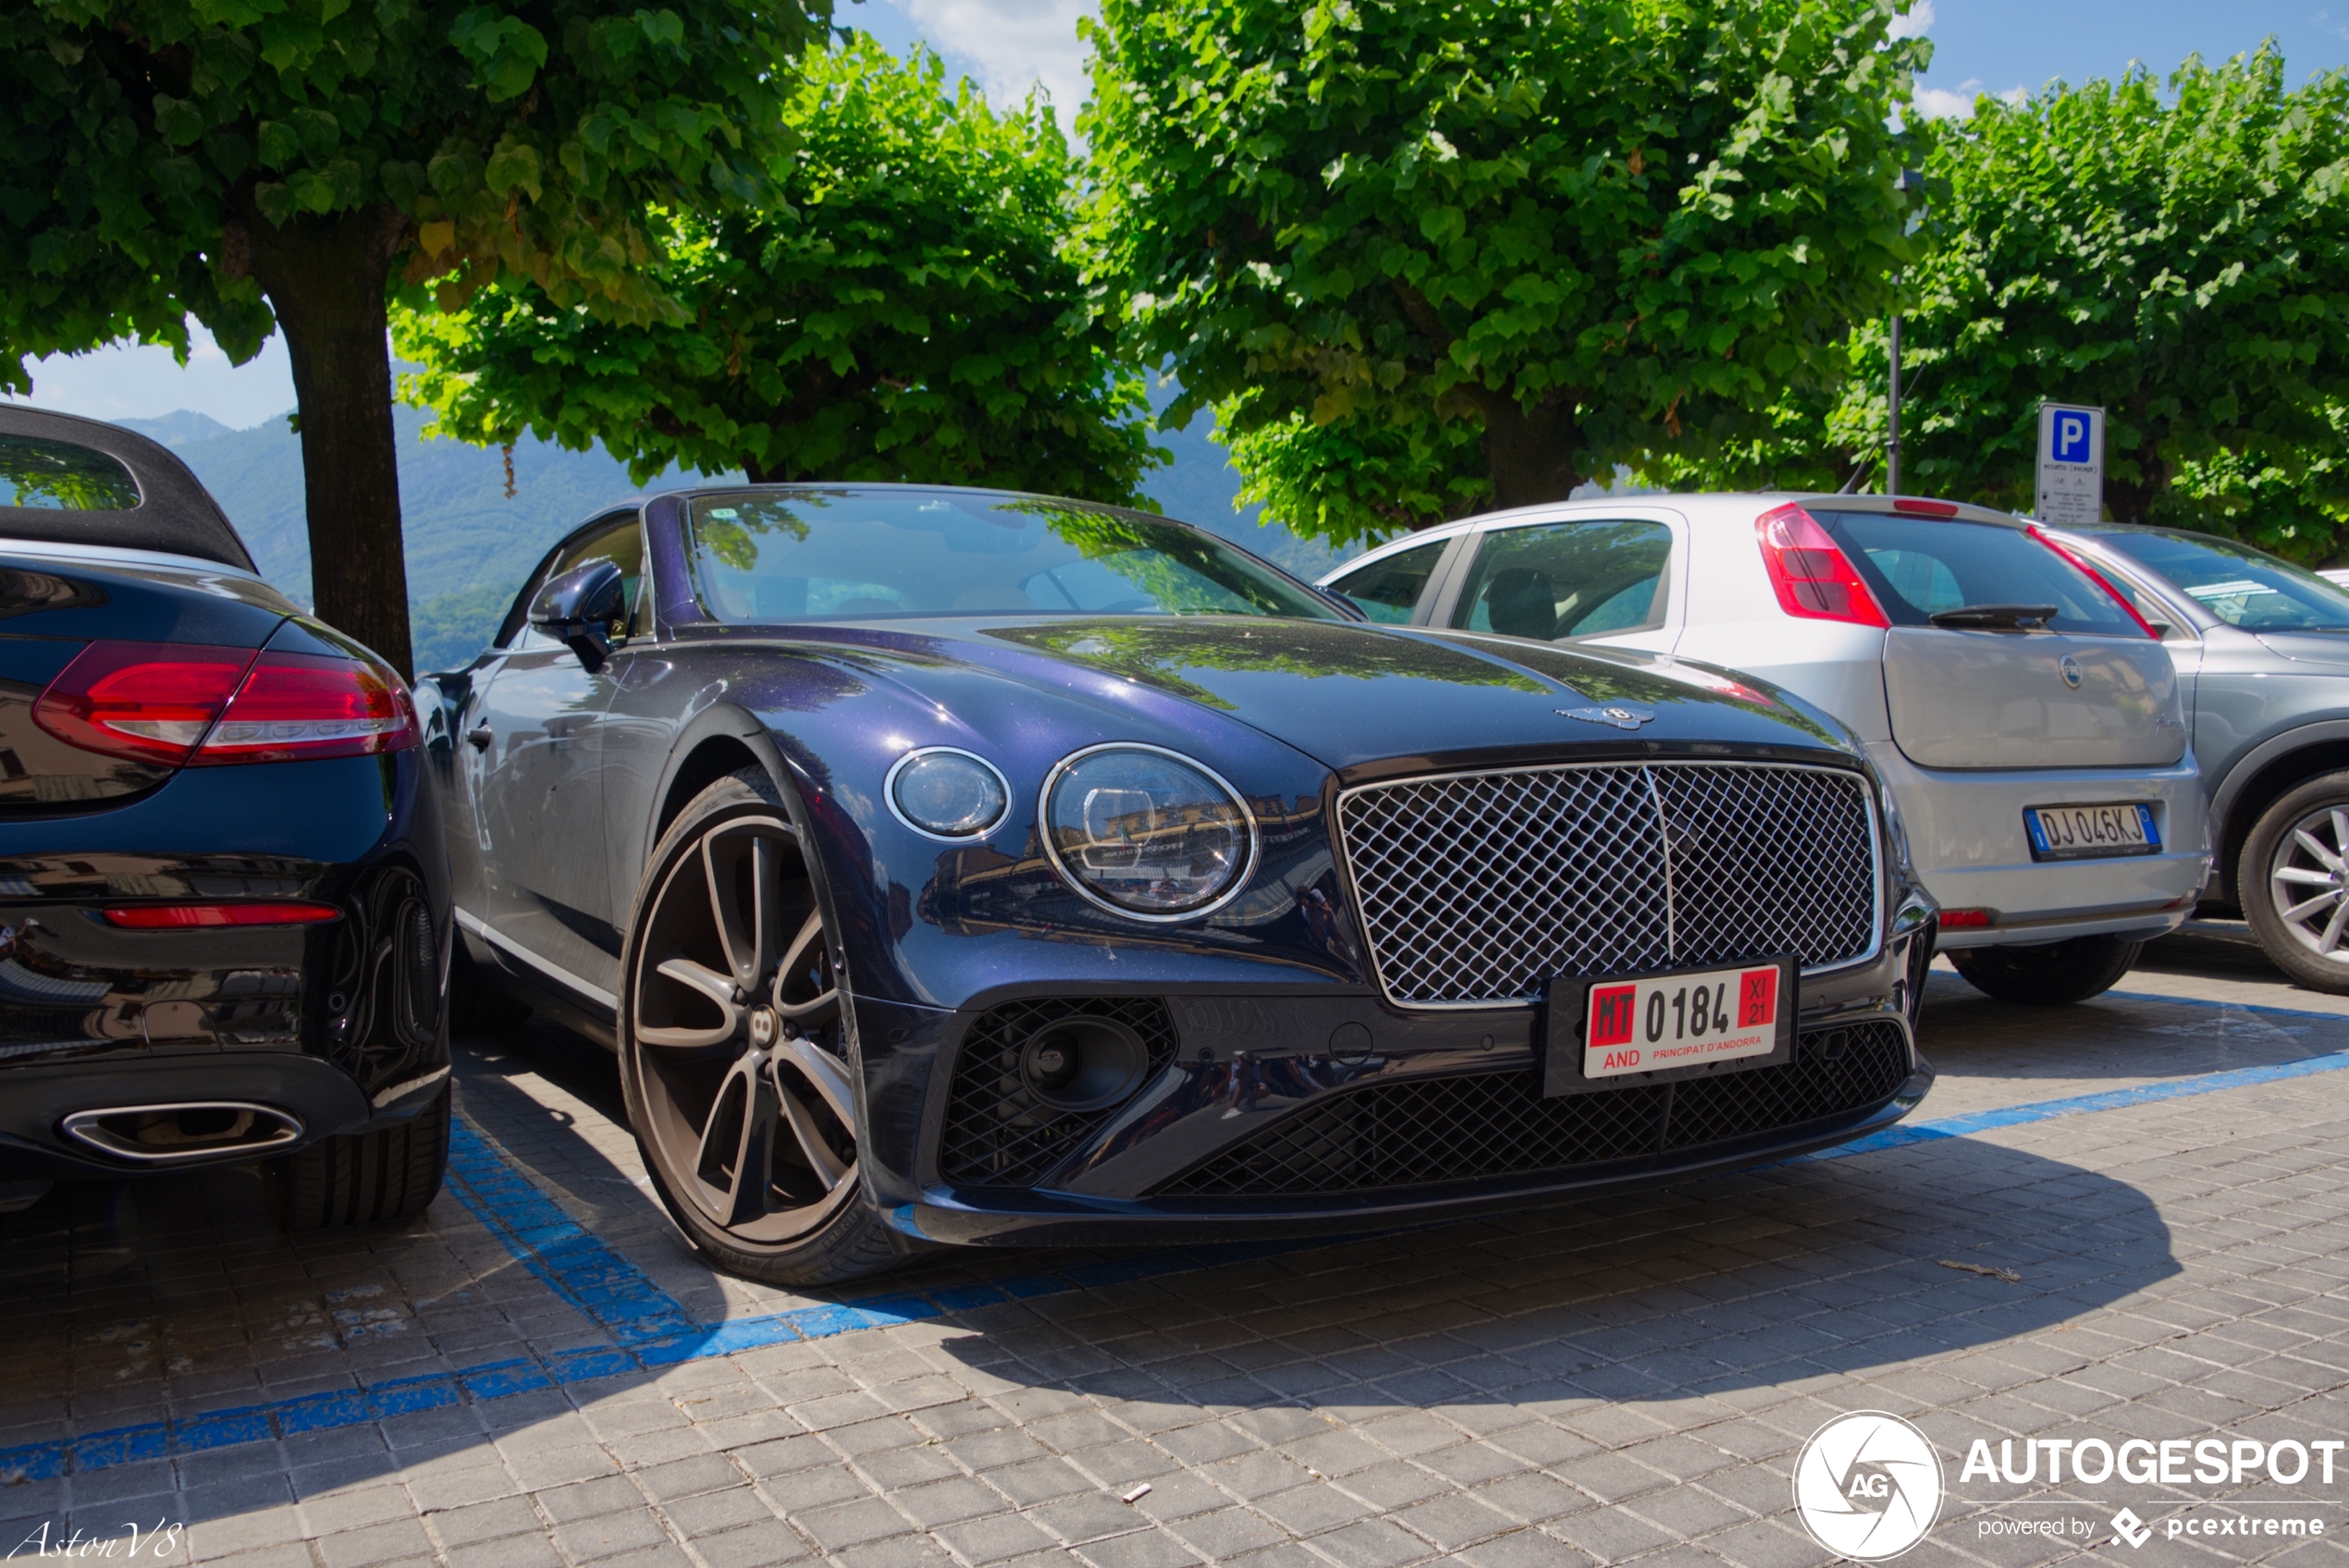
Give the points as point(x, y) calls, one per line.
point(2308, 880)
point(737, 1038)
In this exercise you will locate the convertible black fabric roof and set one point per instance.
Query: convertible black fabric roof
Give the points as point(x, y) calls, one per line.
point(174, 513)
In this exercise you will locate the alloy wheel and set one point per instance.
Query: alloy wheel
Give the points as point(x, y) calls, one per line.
point(2308, 879)
point(737, 1036)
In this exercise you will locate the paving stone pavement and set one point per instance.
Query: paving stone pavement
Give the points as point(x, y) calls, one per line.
point(1590, 1383)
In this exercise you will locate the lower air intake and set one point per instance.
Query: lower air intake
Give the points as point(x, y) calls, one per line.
point(999, 1131)
point(1497, 1124)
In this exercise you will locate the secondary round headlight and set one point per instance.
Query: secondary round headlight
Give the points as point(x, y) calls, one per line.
point(947, 794)
point(1147, 832)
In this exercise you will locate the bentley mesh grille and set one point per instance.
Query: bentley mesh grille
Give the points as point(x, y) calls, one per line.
point(998, 1133)
point(1429, 1131)
point(1478, 889)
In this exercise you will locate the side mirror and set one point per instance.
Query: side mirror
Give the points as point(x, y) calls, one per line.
point(577, 609)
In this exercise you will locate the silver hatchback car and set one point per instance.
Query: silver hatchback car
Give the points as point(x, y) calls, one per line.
point(2262, 648)
point(2026, 720)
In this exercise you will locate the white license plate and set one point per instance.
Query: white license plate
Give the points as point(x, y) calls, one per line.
point(1653, 1025)
point(2086, 832)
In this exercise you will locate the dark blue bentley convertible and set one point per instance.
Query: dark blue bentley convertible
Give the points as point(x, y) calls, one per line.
point(951, 865)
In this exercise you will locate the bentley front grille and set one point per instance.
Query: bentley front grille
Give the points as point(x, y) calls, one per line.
point(1476, 890)
point(1430, 1131)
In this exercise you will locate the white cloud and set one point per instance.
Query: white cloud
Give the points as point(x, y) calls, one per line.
point(1011, 45)
point(1943, 103)
point(1917, 23)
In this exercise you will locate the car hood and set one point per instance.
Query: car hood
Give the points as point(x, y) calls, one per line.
point(1349, 695)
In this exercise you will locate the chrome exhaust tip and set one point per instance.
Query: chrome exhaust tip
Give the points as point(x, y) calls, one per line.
point(170, 1134)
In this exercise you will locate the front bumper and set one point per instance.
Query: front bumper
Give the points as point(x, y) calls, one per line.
point(1254, 1088)
point(1967, 843)
point(321, 1030)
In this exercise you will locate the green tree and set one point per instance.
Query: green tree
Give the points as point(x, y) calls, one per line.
point(2183, 263)
point(911, 314)
point(1427, 255)
point(287, 162)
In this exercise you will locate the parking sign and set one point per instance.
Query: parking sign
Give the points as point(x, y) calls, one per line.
point(2070, 487)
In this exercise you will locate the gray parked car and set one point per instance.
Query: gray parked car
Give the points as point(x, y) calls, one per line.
point(2262, 650)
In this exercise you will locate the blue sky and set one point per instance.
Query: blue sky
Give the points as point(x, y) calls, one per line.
point(1009, 45)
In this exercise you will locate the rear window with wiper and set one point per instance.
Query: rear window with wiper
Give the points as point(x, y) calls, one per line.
point(1921, 567)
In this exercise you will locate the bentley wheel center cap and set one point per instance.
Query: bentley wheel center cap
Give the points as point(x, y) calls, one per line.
point(764, 1026)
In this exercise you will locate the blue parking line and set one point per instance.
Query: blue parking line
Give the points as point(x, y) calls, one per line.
point(603, 1286)
point(649, 1329)
point(2083, 1105)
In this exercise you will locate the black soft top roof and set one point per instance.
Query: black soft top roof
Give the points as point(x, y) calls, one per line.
point(174, 514)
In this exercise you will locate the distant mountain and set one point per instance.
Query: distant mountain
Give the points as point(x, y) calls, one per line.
point(470, 545)
point(1200, 486)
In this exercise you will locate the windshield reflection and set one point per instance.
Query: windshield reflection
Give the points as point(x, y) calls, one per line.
point(769, 556)
point(2242, 586)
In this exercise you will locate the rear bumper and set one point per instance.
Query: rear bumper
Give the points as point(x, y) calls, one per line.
point(1966, 839)
point(326, 1028)
point(320, 1099)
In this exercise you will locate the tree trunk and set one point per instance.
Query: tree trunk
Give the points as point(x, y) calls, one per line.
point(1533, 457)
point(325, 277)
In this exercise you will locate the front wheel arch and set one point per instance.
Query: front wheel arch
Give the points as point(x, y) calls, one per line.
point(847, 1242)
point(2258, 782)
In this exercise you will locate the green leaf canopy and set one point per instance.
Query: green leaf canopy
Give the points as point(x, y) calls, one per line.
point(2182, 259)
point(911, 314)
point(260, 162)
point(1427, 255)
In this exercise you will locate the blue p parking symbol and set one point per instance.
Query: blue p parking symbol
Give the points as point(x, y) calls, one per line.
point(2072, 428)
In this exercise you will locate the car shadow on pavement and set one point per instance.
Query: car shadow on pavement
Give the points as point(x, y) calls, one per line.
point(141, 1302)
point(1817, 1269)
point(2119, 1037)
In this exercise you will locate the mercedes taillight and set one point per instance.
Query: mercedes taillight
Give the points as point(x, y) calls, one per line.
point(188, 705)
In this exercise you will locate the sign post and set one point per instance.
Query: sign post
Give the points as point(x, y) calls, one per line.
point(2071, 486)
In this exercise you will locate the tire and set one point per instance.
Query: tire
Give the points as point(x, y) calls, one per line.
point(385, 1177)
point(2049, 973)
point(475, 1005)
point(734, 1051)
point(2294, 902)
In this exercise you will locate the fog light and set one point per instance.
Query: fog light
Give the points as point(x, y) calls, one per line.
point(1083, 1063)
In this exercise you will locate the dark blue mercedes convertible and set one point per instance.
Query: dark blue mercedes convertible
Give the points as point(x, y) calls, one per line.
point(950, 865)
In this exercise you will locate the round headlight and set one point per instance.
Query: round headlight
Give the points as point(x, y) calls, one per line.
point(1146, 832)
point(946, 793)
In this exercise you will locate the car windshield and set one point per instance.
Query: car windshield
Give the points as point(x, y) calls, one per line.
point(766, 556)
point(2240, 585)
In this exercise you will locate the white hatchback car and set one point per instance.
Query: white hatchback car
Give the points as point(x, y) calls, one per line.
point(2027, 723)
